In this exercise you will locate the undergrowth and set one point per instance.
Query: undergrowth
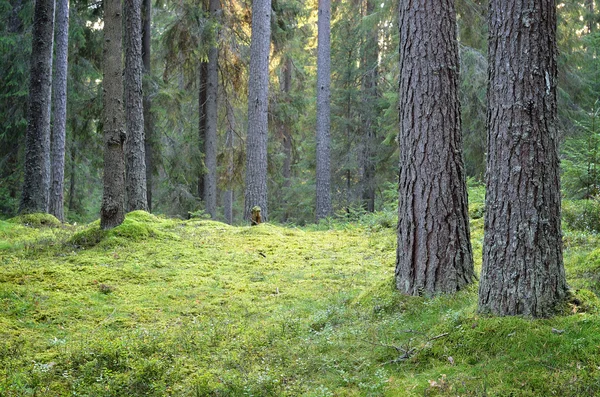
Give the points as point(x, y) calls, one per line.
point(165, 307)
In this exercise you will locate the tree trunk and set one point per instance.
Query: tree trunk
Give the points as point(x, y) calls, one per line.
point(258, 90)
point(147, 101)
point(112, 212)
point(324, 208)
point(369, 88)
point(73, 156)
point(134, 145)
point(285, 129)
point(210, 145)
point(434, 251)
point(203, 73)
point(56, 205)
point(36, 184)
point(229, 153)
point(522, 271)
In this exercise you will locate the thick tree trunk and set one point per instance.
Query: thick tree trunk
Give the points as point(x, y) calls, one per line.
point(147, 101)
point(135, 179)
point(210, 146)
point(56, 205)
point(203, 74)
point(369, 95)
point(522, 270)
point(324, 208)
point(112, 211)
point(434, 251)
point(258, 90)
point(36, 184)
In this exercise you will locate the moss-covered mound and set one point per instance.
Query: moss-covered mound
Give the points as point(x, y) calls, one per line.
point(36, 220)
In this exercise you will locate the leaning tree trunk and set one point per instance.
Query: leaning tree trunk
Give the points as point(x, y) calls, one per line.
point(210, 145)
point(147, 101)
point(434, 252)
point(324, 208)
point(36, 184)
point(135, 176)
point(112, 212)
point(522, 270)
point(258, 90)
point(57, 183)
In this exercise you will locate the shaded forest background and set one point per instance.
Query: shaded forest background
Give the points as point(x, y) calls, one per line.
point(364, 98)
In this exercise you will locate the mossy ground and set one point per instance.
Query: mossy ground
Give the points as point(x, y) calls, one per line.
point(160, 307)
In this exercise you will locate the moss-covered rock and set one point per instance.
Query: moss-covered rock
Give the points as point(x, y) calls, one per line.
point(36, 220)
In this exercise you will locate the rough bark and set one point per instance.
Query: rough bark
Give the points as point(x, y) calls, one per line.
point(36, 184)
point(203, 73)
point(147, 101)
point(57, 144)
point(324, 208)
point(258, 90)
point(210, 145)
point(434, 251)
point(522, 271)
point(112, 211)
point(135, 176)
point(369, 96)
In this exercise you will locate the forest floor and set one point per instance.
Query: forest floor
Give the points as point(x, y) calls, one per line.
point(165, 307)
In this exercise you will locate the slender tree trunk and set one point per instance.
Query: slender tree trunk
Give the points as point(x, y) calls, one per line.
point(112, 212)
point(73, 159)
point(147, 101)
point(36, 186)
point(369, 87)
point(258, 90)
point(285, 132)
point(203, 73)
point(522, 271)
point(135, 177)
point(324, 208)
point(212, 89)
point(56, 206)
point(434, 251)
point(229, 144)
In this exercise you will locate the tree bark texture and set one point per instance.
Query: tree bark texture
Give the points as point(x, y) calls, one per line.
point(324, 208)
point(523, 271)
point(147, 101)
point(258, 90)
point(369, 95)
point(57, 182)
point(112, 211)
point(135, 177)
point(36, 184)
point(203, 73)
point(434, 250)
point(210, 145)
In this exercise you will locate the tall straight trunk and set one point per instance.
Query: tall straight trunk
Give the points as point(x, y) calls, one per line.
point(73, 158)
point(135, 176)
point(286, 129)
point(147, 101)
point(522, 272)
point(112, 211)
point(369, 96)
point(434, 250)
point(229, 153)
point(203, 73)
point(36, 184)
point(258, 91)
point(210, 145)
point(56, 203)
point(324, 208)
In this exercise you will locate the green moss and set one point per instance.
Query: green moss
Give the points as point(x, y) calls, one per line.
point(36, 220)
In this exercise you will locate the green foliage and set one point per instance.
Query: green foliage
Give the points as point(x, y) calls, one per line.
point(581, 215)
point(36, 220)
